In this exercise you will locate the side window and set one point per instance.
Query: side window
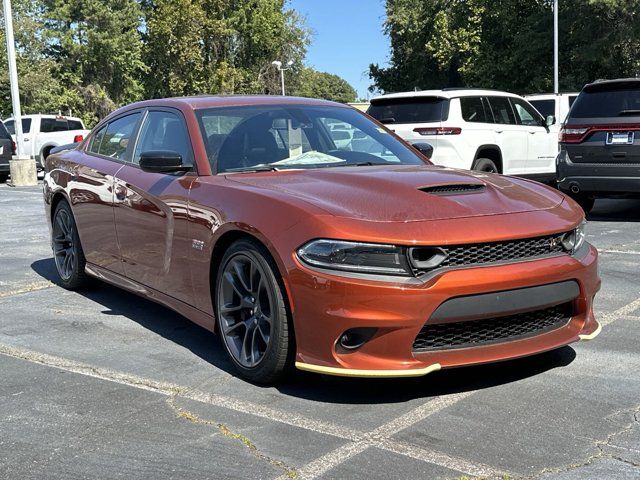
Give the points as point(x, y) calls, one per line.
point(473, 110)
point(526, 114)
point(96, 139)
point(164, 131)
point(116, 137)
point(3, 132)
point(502, 112)
point(75, 125)
point(26, 126)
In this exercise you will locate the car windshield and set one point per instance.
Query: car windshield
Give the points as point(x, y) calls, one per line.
point(275, 137)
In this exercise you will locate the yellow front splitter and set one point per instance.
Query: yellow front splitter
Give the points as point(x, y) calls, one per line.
point(351, 372)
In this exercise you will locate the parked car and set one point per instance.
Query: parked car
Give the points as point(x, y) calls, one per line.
point(41, 133)
point(7, 150)
point(600, 143)
point(243, 215)
point(553, 105)
point(473, 129)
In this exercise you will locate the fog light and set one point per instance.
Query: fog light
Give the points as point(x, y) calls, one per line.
point(355, 338)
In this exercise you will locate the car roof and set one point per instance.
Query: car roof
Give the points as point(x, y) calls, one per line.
point(548, 96)
point(212, 101)
point(447, 93)
point(600, 85)
point(45, 115)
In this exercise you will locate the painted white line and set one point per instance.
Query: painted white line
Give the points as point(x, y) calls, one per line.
point(166, 388)
point(607, 318)
point(381, 438)
point(629, 252)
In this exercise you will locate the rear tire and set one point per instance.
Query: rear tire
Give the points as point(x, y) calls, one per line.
point(67, 250)
point(251, 312)
point(485, 165)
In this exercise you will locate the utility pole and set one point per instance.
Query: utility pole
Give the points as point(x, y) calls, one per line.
point(556, 86)
point(13, 75)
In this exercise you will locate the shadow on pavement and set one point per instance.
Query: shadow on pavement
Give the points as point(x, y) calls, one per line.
point(206, 345)
point(615, 210)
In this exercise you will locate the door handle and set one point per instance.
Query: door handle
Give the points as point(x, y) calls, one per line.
point(25, 139)
point(498, 131)
point(121, 192)
point(532, 132)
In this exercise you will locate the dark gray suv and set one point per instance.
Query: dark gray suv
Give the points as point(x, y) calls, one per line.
point(600, 143)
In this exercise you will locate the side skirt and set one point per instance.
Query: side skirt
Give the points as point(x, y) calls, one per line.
point(196, 316)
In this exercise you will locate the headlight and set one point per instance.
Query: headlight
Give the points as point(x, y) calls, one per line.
point(573, 240)
point(356, 257)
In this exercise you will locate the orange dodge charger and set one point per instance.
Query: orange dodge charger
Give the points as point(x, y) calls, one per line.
point(307, 234)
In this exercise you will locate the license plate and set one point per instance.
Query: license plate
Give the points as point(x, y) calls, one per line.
point(619, 138)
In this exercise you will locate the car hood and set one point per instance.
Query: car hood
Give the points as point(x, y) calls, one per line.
point(406, 193)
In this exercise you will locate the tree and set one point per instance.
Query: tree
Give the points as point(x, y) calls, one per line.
point(312, 83)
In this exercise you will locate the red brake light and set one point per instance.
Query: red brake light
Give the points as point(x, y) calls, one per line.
point(573, 135)
point(438, 130)
point(13, 147)
point(78, 138)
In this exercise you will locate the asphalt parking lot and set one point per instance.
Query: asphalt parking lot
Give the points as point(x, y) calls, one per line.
point(102, 384)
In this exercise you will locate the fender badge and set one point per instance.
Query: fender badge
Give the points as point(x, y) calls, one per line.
point(197, 244)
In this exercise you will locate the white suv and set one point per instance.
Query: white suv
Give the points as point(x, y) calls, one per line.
point(474, 129)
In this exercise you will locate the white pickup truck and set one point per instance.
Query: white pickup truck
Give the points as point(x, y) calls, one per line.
point(41, 133)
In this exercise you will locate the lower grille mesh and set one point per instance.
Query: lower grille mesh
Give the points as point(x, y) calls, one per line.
point(475, 333)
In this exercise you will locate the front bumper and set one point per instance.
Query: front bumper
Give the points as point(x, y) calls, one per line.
point(593, 178)
point(326, 305)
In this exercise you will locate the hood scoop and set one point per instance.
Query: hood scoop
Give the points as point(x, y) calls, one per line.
point(454, 189)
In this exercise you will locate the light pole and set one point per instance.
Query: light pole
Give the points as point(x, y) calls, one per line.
point(556, 86)
point(13, 75)
point(278, 65)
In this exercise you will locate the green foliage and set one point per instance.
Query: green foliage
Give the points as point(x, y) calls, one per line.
point(314, 84)
point(507, 44)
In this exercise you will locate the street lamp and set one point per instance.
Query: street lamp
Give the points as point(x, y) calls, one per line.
point(278, 65)
point(13, 75)
point(556, 83)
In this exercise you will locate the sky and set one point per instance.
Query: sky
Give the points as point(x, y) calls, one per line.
point(347, 37)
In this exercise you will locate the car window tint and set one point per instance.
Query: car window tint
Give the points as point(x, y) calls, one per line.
point(75, 125)
point(117, 135)
point(26, 126)
point(48, 125)
point(409, 110)
point(164, 131)
point(502, 112)
point(526, 114)
point(96, 139)
point(3, 132)
point(572, 98)
point(611, 102)
point(545, 107)
point(473, 110)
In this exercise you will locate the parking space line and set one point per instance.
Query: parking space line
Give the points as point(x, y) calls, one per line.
point(626, 252)
point(626, 310)
point(31, 287)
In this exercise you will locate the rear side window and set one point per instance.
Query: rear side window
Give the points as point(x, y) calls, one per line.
point(502, 111)
point(113, 140)
point(613, 102)
point(48, 125)
point(75, 125)
point(473, 110)
point(3, 132)
point(409, 110)
point(26, 126)
point(545, 107)
point(572, 98)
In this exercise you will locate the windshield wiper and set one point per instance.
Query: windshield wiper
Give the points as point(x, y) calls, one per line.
point(629, 112)
point(255, 168)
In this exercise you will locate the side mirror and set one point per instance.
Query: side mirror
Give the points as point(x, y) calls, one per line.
point(162, 161)
point(424, 148)
point(550, 120)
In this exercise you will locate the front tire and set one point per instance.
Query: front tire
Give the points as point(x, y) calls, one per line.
point(67, 250)
point(251, 312)
point(485, 165)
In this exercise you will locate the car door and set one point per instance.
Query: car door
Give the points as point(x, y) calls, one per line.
point(542, 145)
point(510, 137)
point(478, 129)
point(151, 209)
point(91, 190)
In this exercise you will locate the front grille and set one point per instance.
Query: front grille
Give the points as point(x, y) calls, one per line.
point(475, 333)
point(453, 189)
point(480, 253)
